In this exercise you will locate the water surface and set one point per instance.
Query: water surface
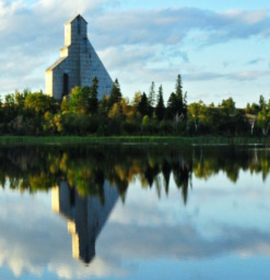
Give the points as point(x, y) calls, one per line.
point(134, 213)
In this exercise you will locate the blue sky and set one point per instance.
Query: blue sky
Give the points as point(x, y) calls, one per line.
point(221, 49)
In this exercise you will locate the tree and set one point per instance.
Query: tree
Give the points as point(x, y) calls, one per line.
point(143, 106)
point(177, 104)
point(263, 120)
point(255, 108)
point(160, 108)
point(20, 98)
point(152, 95)
point(116, 94)
point(228, 106)
point(172, 106)
point(184, 108)
point(93, 97)
point(38, 102)
point(9, 99)
point(78, 102)
point(199, 114)
point(193, 114)
point(181, 99)
point(115, 111)
point(178, 92)
point(65, 105)
point(262, 102)
point(137, 98)
point(9, 109)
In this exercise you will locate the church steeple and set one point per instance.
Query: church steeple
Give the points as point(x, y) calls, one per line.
point(78, 64)
point(75, 29)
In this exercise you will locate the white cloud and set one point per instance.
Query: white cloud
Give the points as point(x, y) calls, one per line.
point(153, 45)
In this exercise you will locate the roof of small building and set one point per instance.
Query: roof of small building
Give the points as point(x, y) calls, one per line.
point(77, 16)
point(57, 62)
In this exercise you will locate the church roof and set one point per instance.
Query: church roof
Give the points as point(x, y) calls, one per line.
point(57, 62)
point(77, 16)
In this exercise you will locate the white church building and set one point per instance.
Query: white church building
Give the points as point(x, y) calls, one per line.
point(78, 64)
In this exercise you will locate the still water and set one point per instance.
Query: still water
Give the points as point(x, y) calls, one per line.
point(134, 213)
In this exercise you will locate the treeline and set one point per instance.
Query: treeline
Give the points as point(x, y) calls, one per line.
point(82, 113)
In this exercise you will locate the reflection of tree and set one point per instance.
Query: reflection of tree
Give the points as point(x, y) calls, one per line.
point(182, 175)
point(86, 168)
point(166, 171)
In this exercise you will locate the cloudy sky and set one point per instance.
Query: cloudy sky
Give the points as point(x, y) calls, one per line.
point(221, 48)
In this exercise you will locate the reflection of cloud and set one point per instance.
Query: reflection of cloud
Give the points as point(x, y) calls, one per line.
point(33, 240)
point(98, 268)
point(145, 228)
point(184, 242)
point(254, 61)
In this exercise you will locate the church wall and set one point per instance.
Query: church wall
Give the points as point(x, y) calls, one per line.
point(49, 82)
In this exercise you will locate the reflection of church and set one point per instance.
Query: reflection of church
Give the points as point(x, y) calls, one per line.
point(86, 216)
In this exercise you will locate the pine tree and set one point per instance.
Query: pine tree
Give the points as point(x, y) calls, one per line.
point(160, 108)
point(172, 106)
point(152, 95)
point(93, 96)
point(143, 106)
point(179, 94)
point(116, 94)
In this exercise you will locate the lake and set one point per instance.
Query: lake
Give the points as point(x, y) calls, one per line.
point(128, 212)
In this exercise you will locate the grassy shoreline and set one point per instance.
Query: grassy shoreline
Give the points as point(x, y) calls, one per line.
point(152, 140)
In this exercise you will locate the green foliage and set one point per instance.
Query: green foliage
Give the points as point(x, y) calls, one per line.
point(160, 108)
point(143, 106)
point(116, 95)
point(264, 120)
point(228, 106)
point(172, 106)
point(78, 100)
point(178, 92)
point(93, 97)
point(38, 102)
point(82, 113)
point(152, 95)
point(149, 126)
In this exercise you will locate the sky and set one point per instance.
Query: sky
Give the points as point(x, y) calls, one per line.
point(220, 48)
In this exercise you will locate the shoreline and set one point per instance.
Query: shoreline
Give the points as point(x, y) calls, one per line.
point(132, 140)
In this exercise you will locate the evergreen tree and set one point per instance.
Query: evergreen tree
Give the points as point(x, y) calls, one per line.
point(152, 95)
point(262, 102)
point(93, 96)
point(160, 108)
point(172, 106)
point(179, 93)
point(184, 110)
point(143, 106)
point(116, 94)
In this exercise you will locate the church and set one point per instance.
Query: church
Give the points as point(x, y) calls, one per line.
point(78, 64)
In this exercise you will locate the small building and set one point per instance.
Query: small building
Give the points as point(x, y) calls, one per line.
point(78, 64)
